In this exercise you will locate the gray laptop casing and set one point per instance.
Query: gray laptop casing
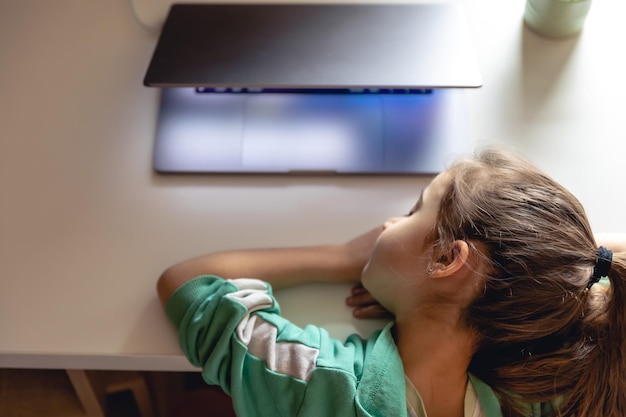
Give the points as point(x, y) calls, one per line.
point(312, 88)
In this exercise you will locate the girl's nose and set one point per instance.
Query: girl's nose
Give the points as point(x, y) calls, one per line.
point(391, 221)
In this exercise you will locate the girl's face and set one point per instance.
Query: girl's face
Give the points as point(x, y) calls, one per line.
point(400, 258)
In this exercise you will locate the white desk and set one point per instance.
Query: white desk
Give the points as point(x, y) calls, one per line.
point(87, 227)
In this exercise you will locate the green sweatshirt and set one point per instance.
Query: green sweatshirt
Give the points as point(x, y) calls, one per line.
point(233, 330)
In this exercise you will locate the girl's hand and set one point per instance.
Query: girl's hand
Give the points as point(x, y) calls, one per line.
point(365, 306)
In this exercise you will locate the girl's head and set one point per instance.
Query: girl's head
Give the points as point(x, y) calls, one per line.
point(540, 331)
point(536, 244)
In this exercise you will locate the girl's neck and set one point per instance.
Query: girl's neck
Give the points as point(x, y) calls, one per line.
point(436, 354)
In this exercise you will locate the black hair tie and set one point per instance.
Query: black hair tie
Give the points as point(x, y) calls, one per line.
point(604, 258)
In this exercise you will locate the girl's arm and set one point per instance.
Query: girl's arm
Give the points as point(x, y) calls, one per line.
point(281, 267)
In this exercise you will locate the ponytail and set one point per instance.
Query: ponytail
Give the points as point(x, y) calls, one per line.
point(601, 388)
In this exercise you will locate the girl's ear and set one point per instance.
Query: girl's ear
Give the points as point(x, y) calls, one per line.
point(453, 261)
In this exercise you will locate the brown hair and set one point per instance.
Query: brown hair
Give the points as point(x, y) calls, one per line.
point(542, 334)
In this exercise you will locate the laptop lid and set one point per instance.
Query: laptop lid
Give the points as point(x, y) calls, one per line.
point(314, 46)
point(312, 88)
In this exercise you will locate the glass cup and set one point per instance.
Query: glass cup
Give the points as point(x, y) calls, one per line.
point(556, 18)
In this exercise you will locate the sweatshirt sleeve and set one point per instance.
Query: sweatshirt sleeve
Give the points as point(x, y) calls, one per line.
point(207, 311)
point(233, 330)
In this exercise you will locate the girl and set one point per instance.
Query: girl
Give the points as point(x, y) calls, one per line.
point(492, 279)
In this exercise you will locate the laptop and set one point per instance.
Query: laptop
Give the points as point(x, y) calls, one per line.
point(312, 88)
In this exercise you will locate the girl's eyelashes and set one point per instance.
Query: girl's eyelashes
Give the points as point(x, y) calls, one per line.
point(417, 205)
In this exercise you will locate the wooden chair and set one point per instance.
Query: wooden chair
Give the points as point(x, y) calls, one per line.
point(92, 388)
